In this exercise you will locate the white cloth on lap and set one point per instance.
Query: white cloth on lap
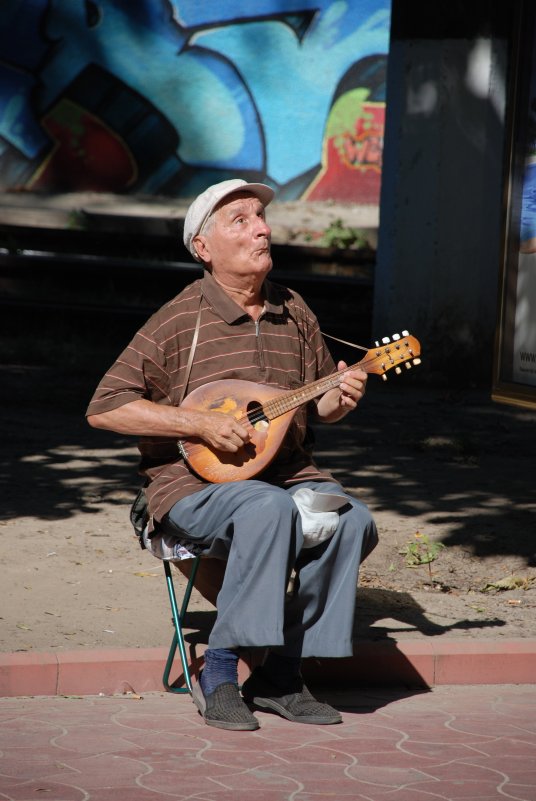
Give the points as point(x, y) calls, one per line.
point(319, 514)
point(166, 547)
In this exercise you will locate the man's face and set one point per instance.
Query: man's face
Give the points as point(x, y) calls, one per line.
point(237, 240)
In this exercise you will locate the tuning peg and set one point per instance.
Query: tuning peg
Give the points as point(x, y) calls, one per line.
point(385, 341)
point(416, 361)
point(398, 370)
point(377, 344)
point(395, 337)
point(408, 365)
point(384, 377)
point(405, 333)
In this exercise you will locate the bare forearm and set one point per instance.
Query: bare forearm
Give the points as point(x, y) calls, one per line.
point(143, 418)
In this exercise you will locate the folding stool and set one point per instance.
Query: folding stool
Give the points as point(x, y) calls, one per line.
point(178, 622)
point(139, 520)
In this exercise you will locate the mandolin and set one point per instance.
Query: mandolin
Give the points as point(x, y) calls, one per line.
point(270, 411)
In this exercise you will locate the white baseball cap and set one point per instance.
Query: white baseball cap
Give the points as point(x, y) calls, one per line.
point(205, 203)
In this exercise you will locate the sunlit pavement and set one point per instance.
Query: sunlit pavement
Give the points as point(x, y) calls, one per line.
point(449, 743)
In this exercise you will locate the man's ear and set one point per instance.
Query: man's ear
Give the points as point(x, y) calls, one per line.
point(200, 244)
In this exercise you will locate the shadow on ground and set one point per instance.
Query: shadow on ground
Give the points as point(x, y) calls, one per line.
point(459, 459)
point(465, 463)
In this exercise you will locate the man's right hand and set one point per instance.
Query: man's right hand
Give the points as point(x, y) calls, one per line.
point(222, 431)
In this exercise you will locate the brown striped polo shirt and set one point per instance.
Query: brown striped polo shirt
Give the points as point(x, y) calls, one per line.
point(283, 349)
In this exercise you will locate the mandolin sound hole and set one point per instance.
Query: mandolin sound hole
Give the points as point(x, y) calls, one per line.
point(256, 416)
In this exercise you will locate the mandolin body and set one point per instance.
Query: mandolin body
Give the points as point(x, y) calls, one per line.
point(241, 399)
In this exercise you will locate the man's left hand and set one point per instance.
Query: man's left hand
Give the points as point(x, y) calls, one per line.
point(336, 403)
point(352, 386)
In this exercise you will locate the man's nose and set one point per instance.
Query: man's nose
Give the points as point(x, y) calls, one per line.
point(263, 229)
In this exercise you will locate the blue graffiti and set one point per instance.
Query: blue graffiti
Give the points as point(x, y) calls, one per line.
point(228, 87)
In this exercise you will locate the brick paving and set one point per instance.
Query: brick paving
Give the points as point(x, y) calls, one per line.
point(452, 743)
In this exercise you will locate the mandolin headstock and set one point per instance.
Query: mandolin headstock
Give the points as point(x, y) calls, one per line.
point(391, 353)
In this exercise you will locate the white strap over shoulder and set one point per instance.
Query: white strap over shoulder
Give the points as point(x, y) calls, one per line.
point(192, 351)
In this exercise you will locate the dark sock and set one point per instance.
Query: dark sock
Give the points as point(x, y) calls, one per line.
point(221, 666)
point(282, 670)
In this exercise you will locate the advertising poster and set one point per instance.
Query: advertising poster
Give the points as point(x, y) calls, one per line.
point(515, 357)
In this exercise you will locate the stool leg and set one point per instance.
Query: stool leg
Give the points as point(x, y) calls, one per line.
point(178, 637)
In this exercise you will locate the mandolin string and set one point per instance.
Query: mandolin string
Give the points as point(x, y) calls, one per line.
point(260, 412)
point(276, 406)
point(279, 403)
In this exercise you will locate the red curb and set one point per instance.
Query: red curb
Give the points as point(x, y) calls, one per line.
point(385, 663)
point(110, 671)
point(408, 663)
point(486, 662)
point(20, 672)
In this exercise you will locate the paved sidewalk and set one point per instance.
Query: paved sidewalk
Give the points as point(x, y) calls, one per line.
point(452, 743)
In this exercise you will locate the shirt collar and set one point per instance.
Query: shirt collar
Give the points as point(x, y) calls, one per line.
point(230, 311)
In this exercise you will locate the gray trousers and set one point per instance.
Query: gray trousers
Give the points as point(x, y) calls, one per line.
point(256, 527)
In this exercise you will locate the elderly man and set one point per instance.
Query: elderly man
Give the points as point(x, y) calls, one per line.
point(292, 519)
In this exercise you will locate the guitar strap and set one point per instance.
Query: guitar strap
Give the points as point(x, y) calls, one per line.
point(344, 342)
point(328, 336)
point(192, 351)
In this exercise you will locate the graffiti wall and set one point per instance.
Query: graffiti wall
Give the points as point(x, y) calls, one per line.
point(163, 97)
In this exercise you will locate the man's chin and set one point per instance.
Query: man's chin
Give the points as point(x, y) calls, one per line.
point(264, 261)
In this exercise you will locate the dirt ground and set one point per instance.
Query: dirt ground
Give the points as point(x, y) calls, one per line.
point(433, 464)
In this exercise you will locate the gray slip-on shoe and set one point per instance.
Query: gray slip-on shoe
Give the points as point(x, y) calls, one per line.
point(224, 708)
point(298, 706)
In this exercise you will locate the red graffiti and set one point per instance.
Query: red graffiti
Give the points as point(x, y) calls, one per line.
point(87, 155)
point(352, 162)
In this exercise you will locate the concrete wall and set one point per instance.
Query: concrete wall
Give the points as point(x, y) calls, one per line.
point(441, 213)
